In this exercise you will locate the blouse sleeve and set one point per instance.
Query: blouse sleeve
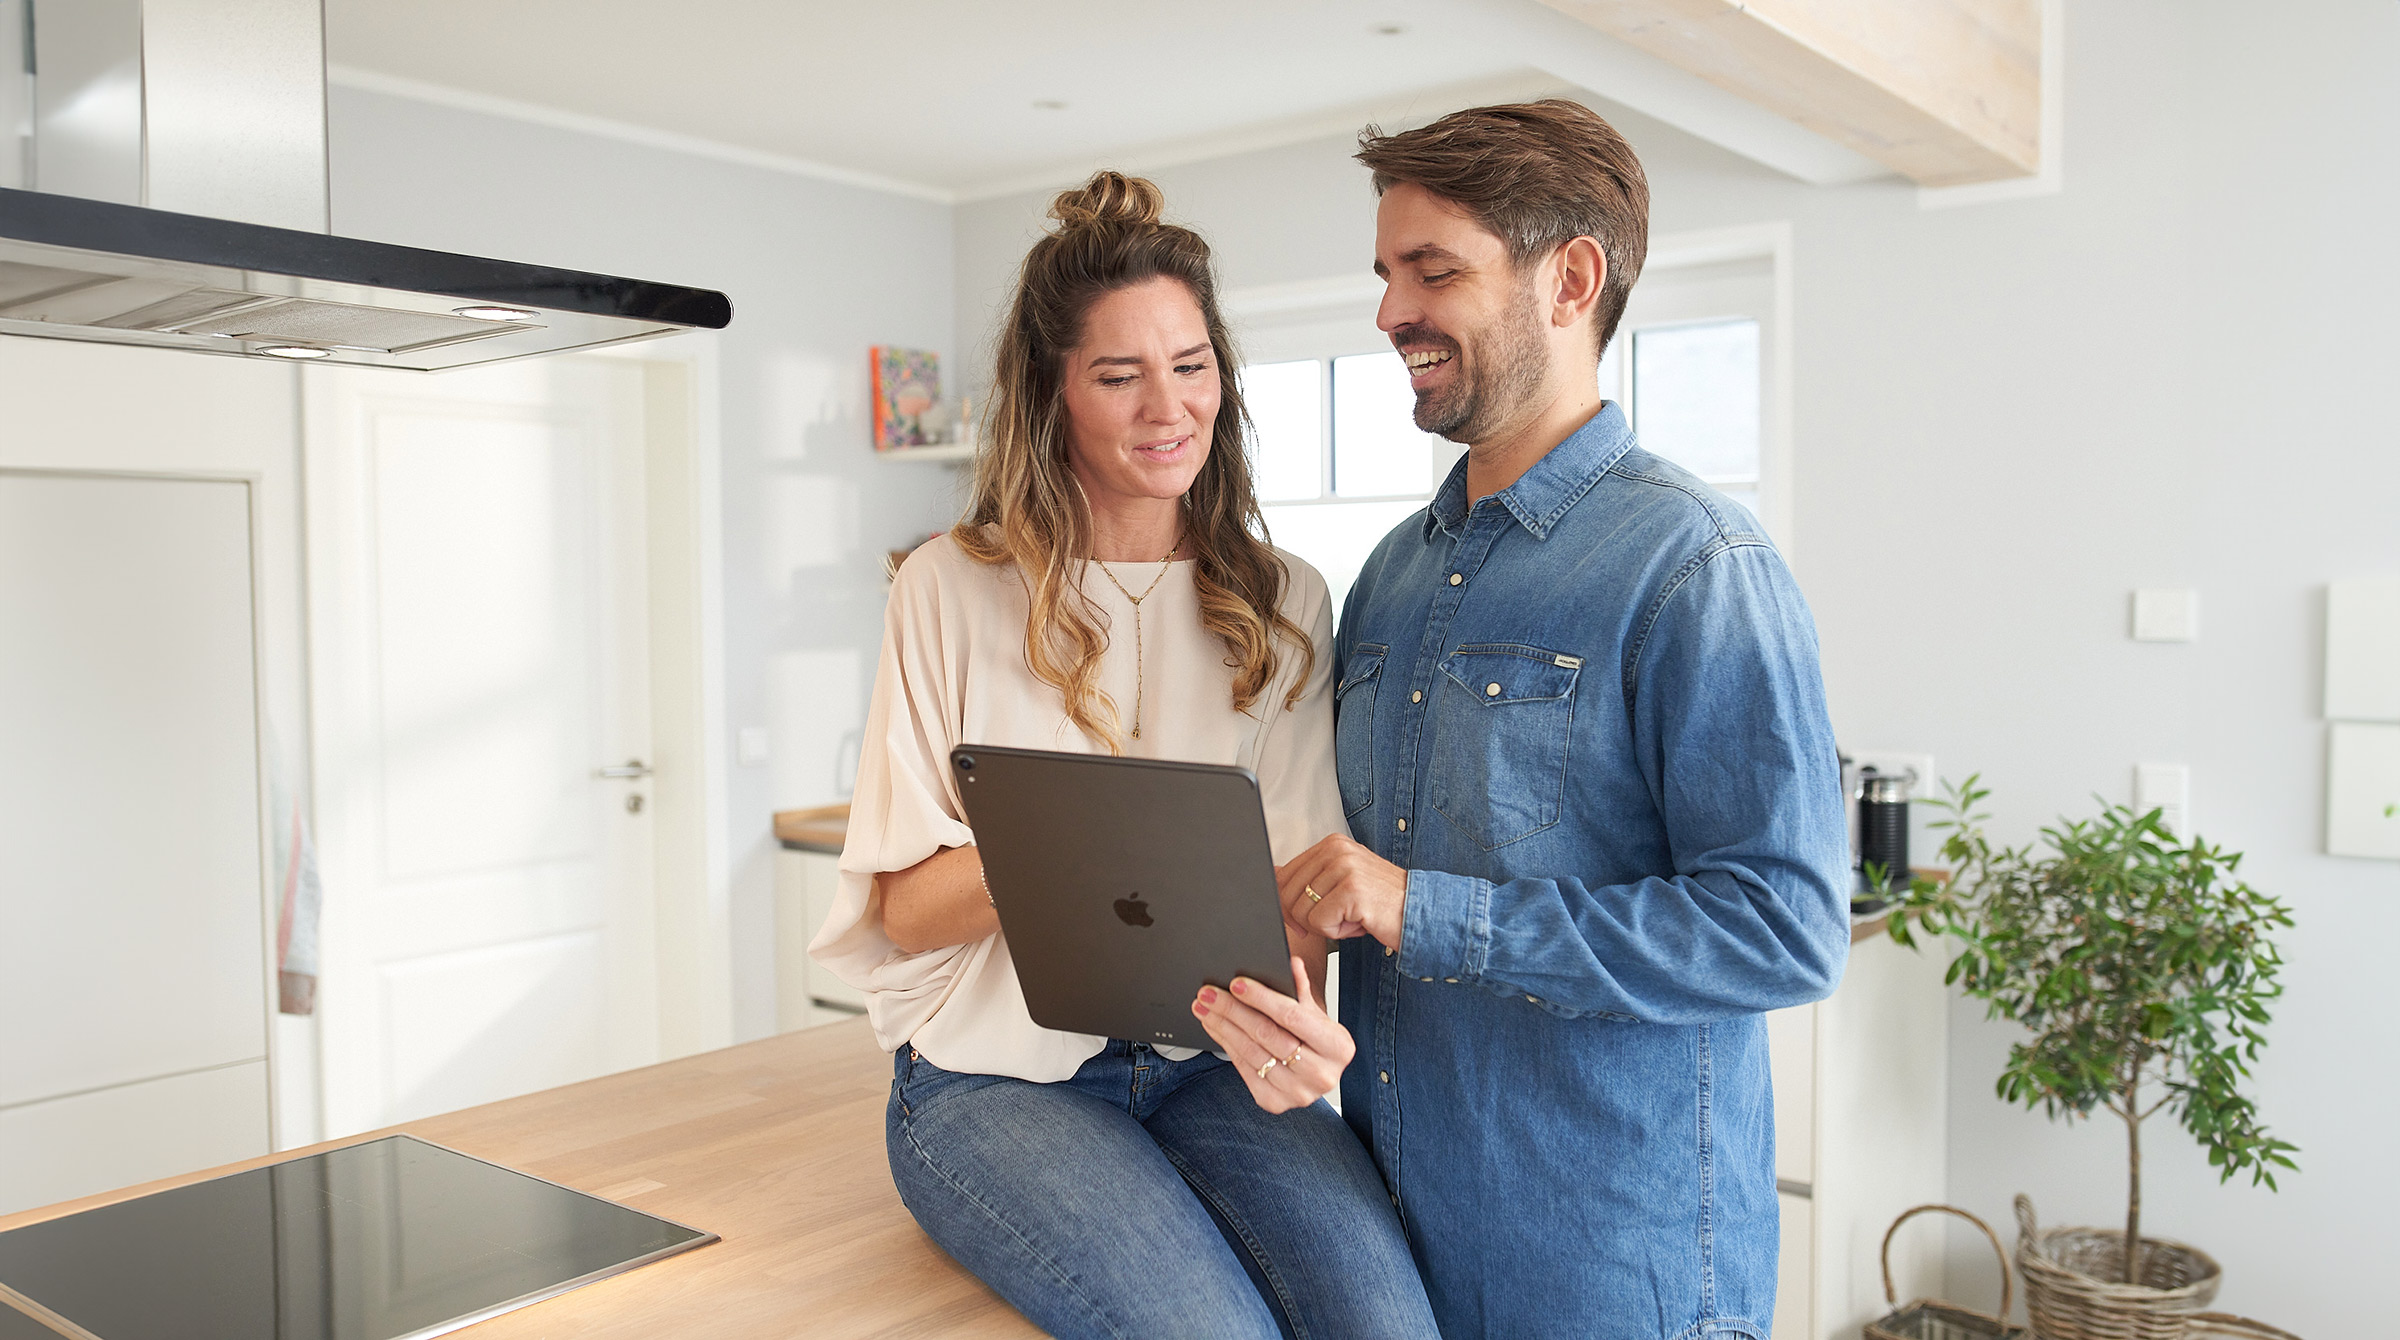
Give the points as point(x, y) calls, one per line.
point(1295, 752)
point(904, 807)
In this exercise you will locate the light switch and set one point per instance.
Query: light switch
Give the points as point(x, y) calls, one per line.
point(2167, 788)
point(750, 746)
point(2362, 791)
point(2362, 650)
point(2166, 614)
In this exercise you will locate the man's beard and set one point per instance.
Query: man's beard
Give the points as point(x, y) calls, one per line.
point(1500, 382)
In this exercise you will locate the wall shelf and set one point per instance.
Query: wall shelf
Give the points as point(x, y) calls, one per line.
point(940, 451)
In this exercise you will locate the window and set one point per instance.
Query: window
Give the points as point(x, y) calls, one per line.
point(1339, 459)
point(1692, 395)
point(1692, 365)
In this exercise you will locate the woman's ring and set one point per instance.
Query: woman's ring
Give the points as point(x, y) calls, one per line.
point(1294, 1059)
point(1269, 1064)
point(1313, 895)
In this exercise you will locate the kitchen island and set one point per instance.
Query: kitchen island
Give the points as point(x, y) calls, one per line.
point(776, 1145)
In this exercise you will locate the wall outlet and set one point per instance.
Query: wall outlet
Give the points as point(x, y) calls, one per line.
point(1892, 762)
point(2167, 788)
point(2166, 614)
point(750, 746)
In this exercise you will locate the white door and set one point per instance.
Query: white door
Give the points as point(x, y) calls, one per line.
point(479, 657)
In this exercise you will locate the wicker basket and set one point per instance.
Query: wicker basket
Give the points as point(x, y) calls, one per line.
point(2226, 1326)
point(1932, 1319)
point(2072, 1293)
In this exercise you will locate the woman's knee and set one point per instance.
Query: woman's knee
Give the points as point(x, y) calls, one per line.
point(1083, 1227)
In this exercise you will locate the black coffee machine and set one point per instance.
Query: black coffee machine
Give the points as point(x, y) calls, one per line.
point(1878, 805)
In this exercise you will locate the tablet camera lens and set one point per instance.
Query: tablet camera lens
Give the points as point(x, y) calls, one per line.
point(966, 763)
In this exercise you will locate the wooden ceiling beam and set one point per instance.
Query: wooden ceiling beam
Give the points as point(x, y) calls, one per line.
point(1944, 92)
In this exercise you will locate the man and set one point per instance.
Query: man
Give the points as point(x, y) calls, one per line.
point(1585, 757)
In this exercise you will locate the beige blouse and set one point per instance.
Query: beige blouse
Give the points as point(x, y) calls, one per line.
point(953, 671)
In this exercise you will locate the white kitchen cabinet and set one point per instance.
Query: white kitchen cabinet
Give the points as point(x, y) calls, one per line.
point(133, 924)
point(1861, 1114)
point(806, 993)
point(131, 1133)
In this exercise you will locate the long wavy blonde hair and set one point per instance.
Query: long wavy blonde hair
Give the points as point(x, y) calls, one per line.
point(1028, 508)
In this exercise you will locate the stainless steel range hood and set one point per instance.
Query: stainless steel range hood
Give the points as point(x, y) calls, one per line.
point(175, 151)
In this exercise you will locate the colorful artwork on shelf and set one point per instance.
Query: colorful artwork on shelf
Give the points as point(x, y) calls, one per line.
point(908, 384)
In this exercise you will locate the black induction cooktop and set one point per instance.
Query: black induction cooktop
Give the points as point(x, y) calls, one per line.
point(385, 1240)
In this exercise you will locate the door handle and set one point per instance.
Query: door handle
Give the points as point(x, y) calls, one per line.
point(634, 769)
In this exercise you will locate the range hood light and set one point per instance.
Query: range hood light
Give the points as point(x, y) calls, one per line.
point(292, 351)
point(489, 313)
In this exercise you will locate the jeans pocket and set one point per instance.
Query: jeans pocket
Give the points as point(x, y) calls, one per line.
point(1354, 727)
point(921, 1084)
point(1500, 736)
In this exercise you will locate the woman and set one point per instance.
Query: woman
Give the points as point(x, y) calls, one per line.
point(1106, 593)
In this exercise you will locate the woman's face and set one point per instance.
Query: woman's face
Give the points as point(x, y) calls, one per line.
point(1141, 395)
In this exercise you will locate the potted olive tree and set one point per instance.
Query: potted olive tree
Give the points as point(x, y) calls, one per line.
point(2143, 969)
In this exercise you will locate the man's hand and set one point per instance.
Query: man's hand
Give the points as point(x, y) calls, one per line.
point(1339, 889)
point(1290, 1051)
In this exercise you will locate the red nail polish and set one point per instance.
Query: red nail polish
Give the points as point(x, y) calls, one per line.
point(1208, 995)
point(1241, 985)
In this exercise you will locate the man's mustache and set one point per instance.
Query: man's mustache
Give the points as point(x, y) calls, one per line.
point(1423, 334)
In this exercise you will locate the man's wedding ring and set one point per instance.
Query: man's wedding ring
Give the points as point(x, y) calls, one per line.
point(1313, 895)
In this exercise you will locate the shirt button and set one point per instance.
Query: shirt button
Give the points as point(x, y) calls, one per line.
point(1533, 1000)
point(1451, 980)
point(1424, 979)
point(1491, 690)
point(1416, 695)
point(1387, 951)
point(1456, 578)
point(1386, 1075)
point(1403, 823)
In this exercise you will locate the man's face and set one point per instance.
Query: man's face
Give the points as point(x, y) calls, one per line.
point(1460, 313)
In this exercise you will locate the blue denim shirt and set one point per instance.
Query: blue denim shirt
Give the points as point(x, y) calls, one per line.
point(1586, 716)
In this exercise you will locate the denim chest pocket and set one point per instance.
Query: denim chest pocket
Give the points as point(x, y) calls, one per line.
point(1500, 737)
point(1354, 727)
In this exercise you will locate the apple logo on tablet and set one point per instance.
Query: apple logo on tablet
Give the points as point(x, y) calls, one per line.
point(1133, 911)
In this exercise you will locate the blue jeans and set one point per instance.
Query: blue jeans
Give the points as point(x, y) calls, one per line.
point(1152, 1198)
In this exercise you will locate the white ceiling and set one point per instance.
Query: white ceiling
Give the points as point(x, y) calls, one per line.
point(946, 96)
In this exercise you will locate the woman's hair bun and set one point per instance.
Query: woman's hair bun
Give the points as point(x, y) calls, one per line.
point(1108, 198)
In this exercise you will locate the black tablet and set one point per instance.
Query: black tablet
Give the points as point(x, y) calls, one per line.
point(1123, 884)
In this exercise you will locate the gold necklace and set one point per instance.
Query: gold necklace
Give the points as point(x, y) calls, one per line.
point(1163, 565)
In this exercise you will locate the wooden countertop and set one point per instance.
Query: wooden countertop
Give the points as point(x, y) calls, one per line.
point(820, 829)
point(776, 1145)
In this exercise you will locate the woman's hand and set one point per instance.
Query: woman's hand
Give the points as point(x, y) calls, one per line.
point(1291, 1052)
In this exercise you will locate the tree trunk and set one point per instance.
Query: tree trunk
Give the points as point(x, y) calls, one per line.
point(2133, 1196)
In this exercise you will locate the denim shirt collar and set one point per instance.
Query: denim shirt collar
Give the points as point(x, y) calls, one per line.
point(1544, 493)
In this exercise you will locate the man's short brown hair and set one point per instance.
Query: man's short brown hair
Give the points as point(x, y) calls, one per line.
point(1536, 175)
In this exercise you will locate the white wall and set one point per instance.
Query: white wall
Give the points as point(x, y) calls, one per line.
point(2177, 372)
point(817, 272)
